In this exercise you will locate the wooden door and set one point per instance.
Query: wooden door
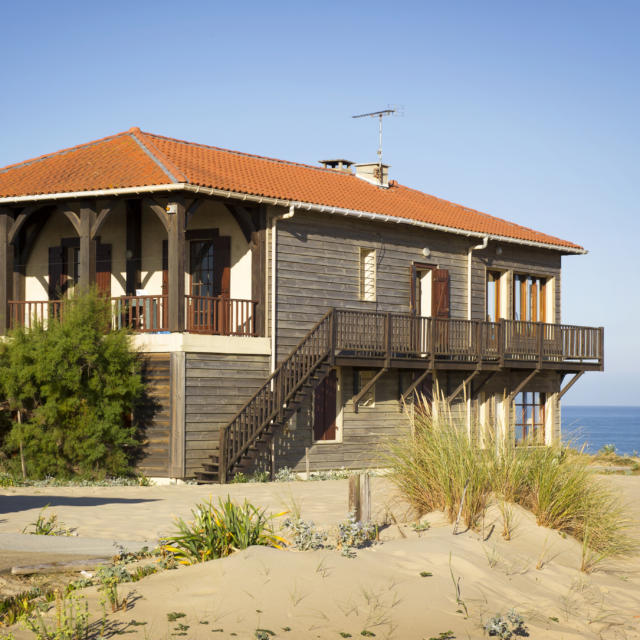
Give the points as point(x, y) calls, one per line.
point(324, 408)
point(440, 310)
point(103, 269)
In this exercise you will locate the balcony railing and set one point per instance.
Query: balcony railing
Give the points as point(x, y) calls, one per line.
point(149, 314)
point(220, 316)
point(371, 335)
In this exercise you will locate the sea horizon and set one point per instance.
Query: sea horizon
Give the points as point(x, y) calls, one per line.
point(596, 426)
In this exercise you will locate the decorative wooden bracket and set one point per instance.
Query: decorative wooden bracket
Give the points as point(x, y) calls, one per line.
point(570, 384)
point(413, 386)
point(463, 384)
point(479, 388)
point(99, 221)
point(365, 389)
point(523, 384)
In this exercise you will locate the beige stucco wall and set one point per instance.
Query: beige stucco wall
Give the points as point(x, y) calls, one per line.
point(210, 215)
point(36, 285)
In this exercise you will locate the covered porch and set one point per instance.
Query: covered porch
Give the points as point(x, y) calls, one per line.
point(167, 264)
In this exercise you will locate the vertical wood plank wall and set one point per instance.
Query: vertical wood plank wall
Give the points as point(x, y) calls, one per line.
point(216, 387)
point(155, 415)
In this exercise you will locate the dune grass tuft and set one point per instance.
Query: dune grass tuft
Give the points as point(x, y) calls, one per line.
point(433, 465)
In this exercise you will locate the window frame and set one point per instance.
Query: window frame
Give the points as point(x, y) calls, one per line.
point(358, 383)
point(536, 402)
point(521, 292)
point(365, 253)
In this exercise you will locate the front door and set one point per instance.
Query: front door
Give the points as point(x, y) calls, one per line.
point(324, 409)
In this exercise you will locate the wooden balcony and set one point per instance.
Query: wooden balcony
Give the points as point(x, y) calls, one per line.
point(406, 341)
point(149, 314)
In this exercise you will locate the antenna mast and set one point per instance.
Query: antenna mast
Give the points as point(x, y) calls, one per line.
point(379, 115)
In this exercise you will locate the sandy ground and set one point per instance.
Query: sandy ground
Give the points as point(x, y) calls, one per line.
point(323, 594)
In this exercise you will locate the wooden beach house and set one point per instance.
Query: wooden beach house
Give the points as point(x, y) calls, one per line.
point(287, 310)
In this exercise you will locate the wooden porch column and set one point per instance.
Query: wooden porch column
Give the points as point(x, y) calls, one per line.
point(87, 254)
point(6, 269)
point(176, 265)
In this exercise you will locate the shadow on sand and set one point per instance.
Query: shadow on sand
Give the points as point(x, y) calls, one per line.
point(13, 504)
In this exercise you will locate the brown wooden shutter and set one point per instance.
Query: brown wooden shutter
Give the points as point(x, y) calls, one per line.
point(222, 264)
point(165, 267)
point(56, 271)
point(413, 283)
point(440, 299)
point(103, 269)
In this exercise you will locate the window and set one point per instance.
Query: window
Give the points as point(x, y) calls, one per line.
point(529, 298)
point(529, 419)
point(362, 377)
point(368, 274)
point(494, 296)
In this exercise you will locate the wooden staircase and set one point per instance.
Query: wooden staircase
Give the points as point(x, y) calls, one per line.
point(285, 391)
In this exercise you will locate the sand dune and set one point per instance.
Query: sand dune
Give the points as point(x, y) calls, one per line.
point(322, 594)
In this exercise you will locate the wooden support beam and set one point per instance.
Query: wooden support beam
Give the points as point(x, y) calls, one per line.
point(462, 385)
point(160, 211)
point(369, 385)
point(414, 385)
point(479, 388)
point(177, 267)
point(523, 384)
point(73, 217)
point(101, 216)
point(6, 269)
point(570, 384)
point(243, 217)
point(87, 253)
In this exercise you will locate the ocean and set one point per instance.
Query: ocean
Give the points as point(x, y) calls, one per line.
point(598, 426)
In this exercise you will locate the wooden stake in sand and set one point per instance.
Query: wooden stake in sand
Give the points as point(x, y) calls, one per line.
point(464, 493)
point(360, 497)
point(306, 463)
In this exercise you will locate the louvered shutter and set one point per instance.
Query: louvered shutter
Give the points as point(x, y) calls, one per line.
point(440, 299)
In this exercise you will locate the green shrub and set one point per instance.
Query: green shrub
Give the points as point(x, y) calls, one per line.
point(68, 389)
point(216, 532)
point(433, 465)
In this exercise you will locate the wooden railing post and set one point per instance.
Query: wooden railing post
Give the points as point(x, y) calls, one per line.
point(601, 348)
point(333, 337)
point(6, 270)
point(540, 327)
point(387, 339)
point(222, 457)
point(501, 341)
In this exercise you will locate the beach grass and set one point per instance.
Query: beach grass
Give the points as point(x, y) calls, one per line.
point(440, 466)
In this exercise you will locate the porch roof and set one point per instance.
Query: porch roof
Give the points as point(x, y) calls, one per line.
point(138, 159)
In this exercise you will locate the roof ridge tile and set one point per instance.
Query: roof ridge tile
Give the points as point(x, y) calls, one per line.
point(160, 158)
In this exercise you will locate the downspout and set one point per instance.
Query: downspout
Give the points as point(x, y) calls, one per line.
point(274, 248)
point(482, 245)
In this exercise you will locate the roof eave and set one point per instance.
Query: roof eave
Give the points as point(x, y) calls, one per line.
point(379, 217)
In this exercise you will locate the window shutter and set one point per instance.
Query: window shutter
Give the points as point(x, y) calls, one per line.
point(440, 293)
point(222, 258)
point(413, 284)
point(56, 270)
point(103, 269)
point(165, 267)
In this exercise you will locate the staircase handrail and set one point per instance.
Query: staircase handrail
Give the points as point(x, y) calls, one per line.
point(274, 395)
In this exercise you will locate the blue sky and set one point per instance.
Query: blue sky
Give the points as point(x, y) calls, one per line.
point(528, 111)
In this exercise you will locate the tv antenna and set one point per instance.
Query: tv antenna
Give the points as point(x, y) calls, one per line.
point(379, 115)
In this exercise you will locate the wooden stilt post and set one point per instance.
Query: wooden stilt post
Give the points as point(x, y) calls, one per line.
point(6, 269)
point(306, 462)
point(360, 497)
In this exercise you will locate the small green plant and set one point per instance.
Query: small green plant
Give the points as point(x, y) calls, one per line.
point(443, 635)
point(426, 574)
point(216, 532)
point(263, 634)
point(456, 586)
point(240, 478)
point(344, 634)
point(71, 619)
point(285, 474)
point(355, 535)
point(367, 634)
point(305, 536)
point(109, 578)
point(608, 450)
point(506, 627)
point(47, 526)
point(419, 527)
point(175, 615)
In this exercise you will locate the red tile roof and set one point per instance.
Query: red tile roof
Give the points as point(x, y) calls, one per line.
point(137, 159)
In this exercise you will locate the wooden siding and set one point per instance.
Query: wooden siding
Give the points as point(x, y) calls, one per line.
point(154, 415)
point(364, 434)
point(216, 387)
point(318, 268)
